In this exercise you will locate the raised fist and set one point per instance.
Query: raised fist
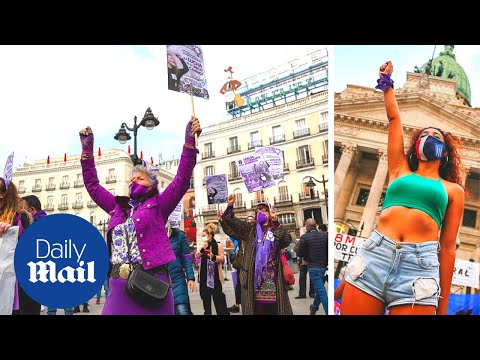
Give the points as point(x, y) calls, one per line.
point(386, 68)
point(86, 138)
point(193, 126)
point(231, 199)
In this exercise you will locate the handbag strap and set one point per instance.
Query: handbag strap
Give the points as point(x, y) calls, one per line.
point(127, 238)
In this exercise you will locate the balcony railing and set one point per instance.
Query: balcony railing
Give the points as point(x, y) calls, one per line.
point(208, 155)
point(253, 144)
point(233, 149)
point(308, 196)
point(323, 127)
point(111, 180)
point(301, 133)
point(50, 187)
point(49, 207)
point(21, 190)
point(283, 199)
point(209, 209)
point(65, 186)
point(325, 159)
point(239, 205)
point(277, 139)
point(234, 176)
point(37, 188)
point(62, 206)
point(78, 184)
point(91, 204)
point(303, 163)
point(255, 202)
point(77, 205)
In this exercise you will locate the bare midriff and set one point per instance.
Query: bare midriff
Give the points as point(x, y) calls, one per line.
point(404, 224)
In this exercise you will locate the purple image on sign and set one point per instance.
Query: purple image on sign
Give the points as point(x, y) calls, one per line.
point(273, 157)
point(255, 173)
point(210, 274)
point(217, 189)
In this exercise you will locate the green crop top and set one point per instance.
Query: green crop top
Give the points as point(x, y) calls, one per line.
point(417, 192)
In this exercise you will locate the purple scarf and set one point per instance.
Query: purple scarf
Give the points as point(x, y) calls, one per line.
point(264, 248)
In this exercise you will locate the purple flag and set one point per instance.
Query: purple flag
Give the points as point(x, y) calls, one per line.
point(8, 171)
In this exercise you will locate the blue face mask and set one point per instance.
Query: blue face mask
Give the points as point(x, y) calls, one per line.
point(429, 148)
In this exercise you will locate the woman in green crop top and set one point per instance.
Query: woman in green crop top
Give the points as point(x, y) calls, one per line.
point(423, 206)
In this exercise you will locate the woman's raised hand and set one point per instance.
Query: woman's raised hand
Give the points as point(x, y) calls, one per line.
point(386, 68)
point(231, 199)
point(193, 127)
point(86, 138)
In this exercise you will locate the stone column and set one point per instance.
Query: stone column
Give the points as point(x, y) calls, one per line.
point(371, 208)
point(348, 151)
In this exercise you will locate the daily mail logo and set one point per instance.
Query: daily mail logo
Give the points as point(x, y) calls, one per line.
point(61, 261)
point(47, 271)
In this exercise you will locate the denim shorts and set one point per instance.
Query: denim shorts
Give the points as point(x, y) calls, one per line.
point(397, 273)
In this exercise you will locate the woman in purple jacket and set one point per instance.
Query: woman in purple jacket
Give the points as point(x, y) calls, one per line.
point(139, 220)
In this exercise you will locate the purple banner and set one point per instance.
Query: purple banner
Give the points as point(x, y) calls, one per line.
point(255, 173)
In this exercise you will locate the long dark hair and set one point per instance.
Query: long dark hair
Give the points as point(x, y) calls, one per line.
point(10, 203)
point(451, 168)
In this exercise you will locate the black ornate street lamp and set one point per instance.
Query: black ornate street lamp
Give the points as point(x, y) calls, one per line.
point(311, 185)
point(149, 121)
point(102, 227)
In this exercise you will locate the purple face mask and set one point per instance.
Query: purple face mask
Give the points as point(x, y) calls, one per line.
point(262, 218)
point(137, 191)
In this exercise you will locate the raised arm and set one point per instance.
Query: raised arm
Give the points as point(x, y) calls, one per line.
point(182, 69)
point(232, 226)
point(448, 237)
point(98, 193)
point(180, 184)
point(280, 233)
point(397, 161)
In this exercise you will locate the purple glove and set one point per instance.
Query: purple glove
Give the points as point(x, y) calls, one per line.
point(189, 134)
point(86, 138)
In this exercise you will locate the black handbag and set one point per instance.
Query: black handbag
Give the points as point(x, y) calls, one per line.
point(146, 288)
point(143, 287)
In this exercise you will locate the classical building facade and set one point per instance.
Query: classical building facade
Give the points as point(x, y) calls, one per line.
point(361, 128)
point(58, 183)
point(300, 129)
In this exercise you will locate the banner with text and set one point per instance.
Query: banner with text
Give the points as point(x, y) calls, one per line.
point(273, 157)
point(186, 70)
point(255, 173)
point(176, 217)
point(466, 273)
point(217, 189)
point(346, 246)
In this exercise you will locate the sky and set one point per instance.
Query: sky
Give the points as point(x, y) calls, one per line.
point(49, 93)
point(358, 64)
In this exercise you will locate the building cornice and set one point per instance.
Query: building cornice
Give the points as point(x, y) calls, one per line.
point(372, 124)
point(69, 165)
point(367, 99)
point(305, 104)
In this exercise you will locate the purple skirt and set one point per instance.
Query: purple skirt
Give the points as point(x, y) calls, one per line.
point(119, 303)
